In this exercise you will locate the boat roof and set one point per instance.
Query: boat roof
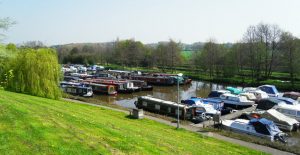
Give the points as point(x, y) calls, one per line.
point(292, 93)
point(290, 106)
point(96, 84)
point(286, 99)
point(279, 116)
point(262, 120)
point(234, 90)
point(221, 91)
point(273, 99)
point(230, 95)
point(162, 101)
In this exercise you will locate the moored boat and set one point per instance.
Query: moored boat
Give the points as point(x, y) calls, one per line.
point(154, 80)
point(103, 89)
point(271, 90)
point(263, 128)
point(282, 121)
point(233, 90)
point(235, 101)
point(292, 95)
point(217, 93)
point(78, 90)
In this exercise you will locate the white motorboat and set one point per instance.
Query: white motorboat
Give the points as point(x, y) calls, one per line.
point(263, 128)
point(236, 101)
point(259, 94)
point(282, 121)
point(271, 90)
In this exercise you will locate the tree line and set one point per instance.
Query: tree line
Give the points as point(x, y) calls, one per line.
point(262, 50)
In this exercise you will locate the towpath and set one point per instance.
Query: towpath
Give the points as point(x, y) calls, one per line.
point(197, 129)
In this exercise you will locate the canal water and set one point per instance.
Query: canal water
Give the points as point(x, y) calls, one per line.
point(196, 88)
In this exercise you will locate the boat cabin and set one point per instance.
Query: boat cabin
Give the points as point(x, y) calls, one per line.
point(288, 100)
point(233, 90)
point(268, 103)
point(292, 95)
point(271, 90)
point(289, 110)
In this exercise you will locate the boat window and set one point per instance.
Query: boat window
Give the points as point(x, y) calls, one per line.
point(261, 128)
point(298, 113)
point(288, 112)
point(144, 103)
point(157, 106)
point(176, 112)
point(111, 89)
point(280, 110)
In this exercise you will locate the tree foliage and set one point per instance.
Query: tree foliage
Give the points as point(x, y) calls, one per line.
point(31, 71)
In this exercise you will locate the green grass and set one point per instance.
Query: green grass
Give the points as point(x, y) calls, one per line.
point(34, 125)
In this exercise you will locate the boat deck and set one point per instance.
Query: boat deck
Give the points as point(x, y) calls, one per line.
point(233, 115)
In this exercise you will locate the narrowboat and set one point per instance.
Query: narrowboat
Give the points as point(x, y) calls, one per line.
point(154, 80)
point(271, 90)
point(65, 83)
point(194, 113)
point(161, 106)
point(78, 90)
point(103, 89)
point(121, 87)
point(263, 128)
point(181, 79)
point(142, 84)
point(71, 78)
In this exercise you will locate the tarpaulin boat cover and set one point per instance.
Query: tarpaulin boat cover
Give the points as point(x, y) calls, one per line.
point(276, 116)
point(264, 126)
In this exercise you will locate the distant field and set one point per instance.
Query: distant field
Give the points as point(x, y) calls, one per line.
point(186, 54)
point(33, 125)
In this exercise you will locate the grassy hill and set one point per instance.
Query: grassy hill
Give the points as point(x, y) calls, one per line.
point(33, 125)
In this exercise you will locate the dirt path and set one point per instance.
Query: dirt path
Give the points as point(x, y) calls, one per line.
point(197, 129)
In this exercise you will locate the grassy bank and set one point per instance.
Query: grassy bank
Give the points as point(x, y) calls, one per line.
point(33, 125)
point(277, 79)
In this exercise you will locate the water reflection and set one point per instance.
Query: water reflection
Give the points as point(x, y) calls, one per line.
point(197, 88)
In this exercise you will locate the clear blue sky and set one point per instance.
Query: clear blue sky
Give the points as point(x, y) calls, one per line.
point(188, 21)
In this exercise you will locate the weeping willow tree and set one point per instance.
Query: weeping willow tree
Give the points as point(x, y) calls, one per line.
point(35, 72)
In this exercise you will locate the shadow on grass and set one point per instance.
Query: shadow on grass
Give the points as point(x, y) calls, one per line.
point(131, 117)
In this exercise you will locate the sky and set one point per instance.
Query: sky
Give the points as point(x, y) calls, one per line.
point(75, 21)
